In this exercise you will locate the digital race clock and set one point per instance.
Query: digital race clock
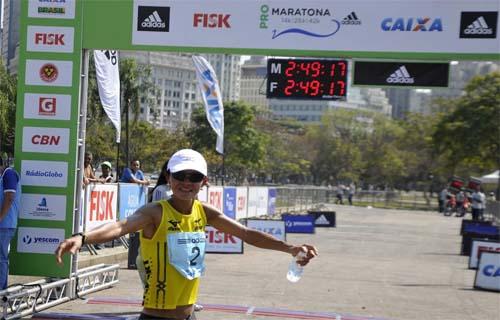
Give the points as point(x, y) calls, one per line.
point(314, 79)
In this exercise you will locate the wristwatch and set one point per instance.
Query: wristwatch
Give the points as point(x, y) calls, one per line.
point(81, 234)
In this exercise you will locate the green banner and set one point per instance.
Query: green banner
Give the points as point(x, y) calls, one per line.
point(46, 133)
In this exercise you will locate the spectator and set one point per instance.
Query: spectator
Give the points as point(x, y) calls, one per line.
point(478, 204)
point(162, 190)
point(134, 174)
point(10, 199)
point(443, 196)
point(88, 171)
point(175, 228)
point(460, 198)
point(339, 194)
point(107, 175)
point(352, 191)
point(492, 196)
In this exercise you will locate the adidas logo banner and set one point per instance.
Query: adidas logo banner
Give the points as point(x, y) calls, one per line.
point(322, 220)
point(478, 25)
point(400, 76)
point(351, 19)
point(414, 74)
point(325, 219)
point(153, 19)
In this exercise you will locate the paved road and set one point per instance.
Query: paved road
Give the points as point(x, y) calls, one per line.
point(384, 264)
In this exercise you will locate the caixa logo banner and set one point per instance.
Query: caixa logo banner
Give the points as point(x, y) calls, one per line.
point(488, 272)
point(275, 228)
point(39, 240)
point(299, 223)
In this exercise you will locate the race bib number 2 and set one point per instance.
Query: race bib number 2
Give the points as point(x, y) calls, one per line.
point(186, 252)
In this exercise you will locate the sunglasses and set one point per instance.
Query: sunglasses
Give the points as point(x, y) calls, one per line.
point(191, 176)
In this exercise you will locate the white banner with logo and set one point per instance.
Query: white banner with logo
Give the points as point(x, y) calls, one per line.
point(253, 202)
point(54, 73)
point(49, 207)
point(108, 81)
point(50, 39)
point(215, 197)
point(47, 106)
point(275, 228)
point(488, 271)
point(479, 246)
point(62, 9)
point(258, 198)
point(241, 202)
point(220, 242)
point(353, 26)
point(101, 205)
point(263, 200)
point(44, 173)
point(39, 240)
point(46, 140)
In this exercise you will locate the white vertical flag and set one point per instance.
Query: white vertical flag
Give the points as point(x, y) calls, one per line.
point(108, 81)
point(210, 91)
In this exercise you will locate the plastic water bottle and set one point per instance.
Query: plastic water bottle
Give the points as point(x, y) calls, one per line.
point(295, 270)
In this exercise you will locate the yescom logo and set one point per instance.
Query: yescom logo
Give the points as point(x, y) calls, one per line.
point(27, 239)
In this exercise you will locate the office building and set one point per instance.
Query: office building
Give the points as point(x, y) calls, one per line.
point(253, 81)
point(176, 94)
point(10, 34)
point(228, 70)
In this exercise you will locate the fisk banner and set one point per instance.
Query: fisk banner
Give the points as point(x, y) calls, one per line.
point(221, 242)
point(101, 206)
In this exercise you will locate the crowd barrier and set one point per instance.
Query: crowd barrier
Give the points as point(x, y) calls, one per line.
point(103, 203)
point(109, 202)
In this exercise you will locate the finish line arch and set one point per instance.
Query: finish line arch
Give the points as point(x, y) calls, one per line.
point(55, 37)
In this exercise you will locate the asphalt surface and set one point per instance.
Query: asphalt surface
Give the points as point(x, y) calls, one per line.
point(376, 264)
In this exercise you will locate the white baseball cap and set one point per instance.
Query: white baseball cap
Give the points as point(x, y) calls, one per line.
point(187, 159)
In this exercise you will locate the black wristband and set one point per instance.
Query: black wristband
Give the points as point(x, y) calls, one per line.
point(81, 234)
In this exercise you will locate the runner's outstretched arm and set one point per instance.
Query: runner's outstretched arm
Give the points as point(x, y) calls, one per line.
point(254, 237)
point(109, 231)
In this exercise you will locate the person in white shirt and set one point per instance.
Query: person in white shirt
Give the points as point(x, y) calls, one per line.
point(443, 196)
point(162, 190)
point(478, 204)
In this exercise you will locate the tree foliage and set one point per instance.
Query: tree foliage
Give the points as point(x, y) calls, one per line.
point(461, 137)
point(8, 93)
point(244, 145)
point(470, 134)
point(135, 85)
point(288, 153)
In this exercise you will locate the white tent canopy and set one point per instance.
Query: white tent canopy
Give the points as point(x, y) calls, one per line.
point(490, 178)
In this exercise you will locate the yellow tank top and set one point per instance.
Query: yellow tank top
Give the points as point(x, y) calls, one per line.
point(165, 287)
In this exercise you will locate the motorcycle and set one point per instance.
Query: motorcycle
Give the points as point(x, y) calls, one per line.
point(450, 206)
point(462, 210)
